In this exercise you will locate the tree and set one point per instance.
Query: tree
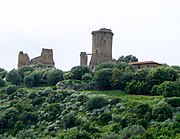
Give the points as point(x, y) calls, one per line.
point(96, 102)
point(128, 58)
point(54, 76)
point(137, 87)
point(161, 74)
point(105, 65)
point(162, 112)
point(120, 78)
point(79, 71)
point(29, 80)
point(25, 70)
point(3, 73)
point(102, 78)
point(13, 77)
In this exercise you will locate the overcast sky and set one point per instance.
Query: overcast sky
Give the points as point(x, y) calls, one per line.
point(148, 29)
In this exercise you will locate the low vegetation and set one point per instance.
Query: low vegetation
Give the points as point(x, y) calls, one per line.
point(113, 102)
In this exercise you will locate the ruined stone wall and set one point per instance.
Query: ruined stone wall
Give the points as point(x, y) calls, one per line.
point(46, 58)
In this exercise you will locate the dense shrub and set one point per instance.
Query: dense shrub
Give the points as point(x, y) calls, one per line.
point(71, 84)
point(102, 78)
point(130, 132)
point(174, 101)
point(13, 77)
point(96, 102)
point(29, 81)
point(137, 87)
point(120, 78)
point(105, 118)
point(162, 112)
point(104, 65)
point(167, 89)
point(68, 75)
point(69, 120)
point(54, 76)
point(10, 89)
point(79, 71)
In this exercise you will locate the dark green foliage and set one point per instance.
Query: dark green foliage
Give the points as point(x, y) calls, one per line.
point(141, 74)
point(53, 110)
point(128, 58)
point(24, 71)
point(162, 112)
point(54, 76)
point(167, 89)
point(87, 77)
point(69, 120)
point(120, 78)
point(105, 118)
point(161, 74)
point(13, 77)
point(37, 75)
point(71, 84)
point(174, 101)
point(68, 75)
point(8, 118)
point(142, 108)
point(10, 89)
point(137, 87)
point(96, 103)
point(73, 133)
point(3, 73)
point(2, 82)
point(82, 98)
point(110, 136)
point(162, 130)
point(104, 65)
point(132, 131)
point(102, 78)
point(79, 71)
point(29, 80)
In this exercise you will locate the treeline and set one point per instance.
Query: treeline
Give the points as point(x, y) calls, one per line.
point(164, 80)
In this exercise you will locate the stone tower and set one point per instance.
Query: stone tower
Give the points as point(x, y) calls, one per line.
point(23, 59)
point(101, 47)
point(83, 58)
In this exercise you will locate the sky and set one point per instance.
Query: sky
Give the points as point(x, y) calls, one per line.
point(147, 29)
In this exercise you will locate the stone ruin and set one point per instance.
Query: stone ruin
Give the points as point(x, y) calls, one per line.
point(101, 48)
point(44, 60)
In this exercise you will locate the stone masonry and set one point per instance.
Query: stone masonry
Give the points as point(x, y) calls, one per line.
point(101, 48)
point(46, 59)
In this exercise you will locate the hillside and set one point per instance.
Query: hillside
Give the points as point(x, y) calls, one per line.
point(113, 102)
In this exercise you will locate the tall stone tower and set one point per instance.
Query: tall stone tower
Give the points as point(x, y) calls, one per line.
point(101, 46)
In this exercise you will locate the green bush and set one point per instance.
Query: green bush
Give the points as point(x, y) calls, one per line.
point(10, 89)
point(105, 118)
point(69, 120)
point(96, 102)
point(174, 101)
point(102, 78)
point(79, 71)
point(162, 112)
point(54, 76)
point(13, 77)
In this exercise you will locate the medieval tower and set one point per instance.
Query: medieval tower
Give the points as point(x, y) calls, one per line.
point(101, 48)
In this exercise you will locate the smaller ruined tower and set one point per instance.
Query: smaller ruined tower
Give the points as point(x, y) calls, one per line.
point(83, 58)
point(23, 59)
point(101, 47)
